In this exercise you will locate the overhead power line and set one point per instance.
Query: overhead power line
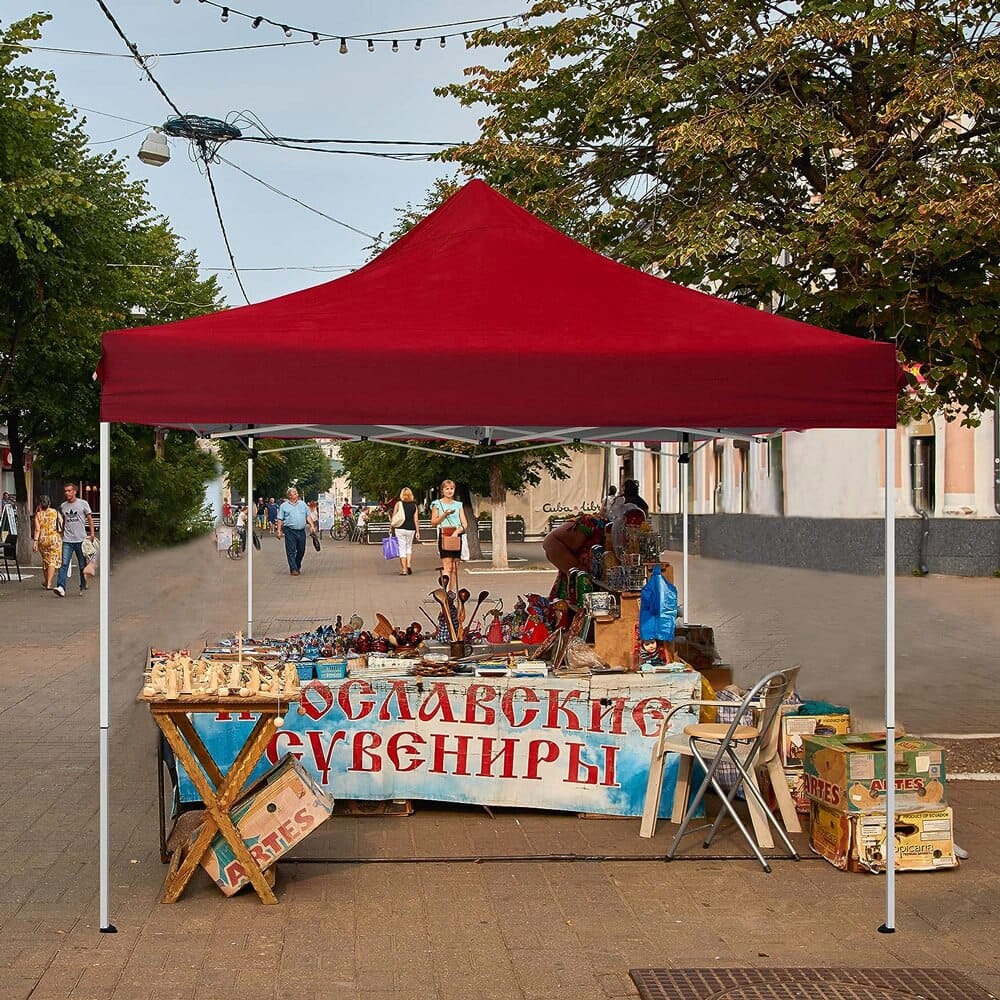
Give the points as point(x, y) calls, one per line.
point(139, 58)
point(284, 194)
point(208, 170)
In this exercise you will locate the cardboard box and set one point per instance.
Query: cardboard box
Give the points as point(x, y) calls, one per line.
point(848, 773)
point(923, 840)
point(796, 781)
point(795, 727)
point(272, 816)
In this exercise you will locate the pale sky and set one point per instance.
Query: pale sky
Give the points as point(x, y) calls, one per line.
point(301, 91)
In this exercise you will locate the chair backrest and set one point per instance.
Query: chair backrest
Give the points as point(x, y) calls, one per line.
point(769, 690)
point(771, 725)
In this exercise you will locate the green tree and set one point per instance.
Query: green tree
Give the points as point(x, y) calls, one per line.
point(835, 160)
point(382, 470)
point(68, 219)
point(304, 466)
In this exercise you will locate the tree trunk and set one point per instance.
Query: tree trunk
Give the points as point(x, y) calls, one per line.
point(24, 553)
point(464, 494)
point(498, 500)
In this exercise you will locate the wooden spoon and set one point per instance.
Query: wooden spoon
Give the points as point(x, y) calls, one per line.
point(483, 594)
point(441, 596)
point(463, 596)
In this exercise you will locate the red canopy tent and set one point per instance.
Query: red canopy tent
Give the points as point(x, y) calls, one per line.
point(526, 334)
point(529, 326)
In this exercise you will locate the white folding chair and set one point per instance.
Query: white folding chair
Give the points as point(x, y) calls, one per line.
point(745, 748)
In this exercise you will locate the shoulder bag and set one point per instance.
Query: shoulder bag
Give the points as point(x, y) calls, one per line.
point(398, 516)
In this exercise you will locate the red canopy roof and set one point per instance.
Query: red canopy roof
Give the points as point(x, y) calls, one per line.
point(484, 315)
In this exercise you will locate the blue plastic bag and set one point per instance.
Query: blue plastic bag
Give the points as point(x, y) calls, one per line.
point(658, 608)
point(390, 548)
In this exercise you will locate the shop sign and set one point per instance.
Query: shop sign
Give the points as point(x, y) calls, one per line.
point(553, 744)
point(587, 507)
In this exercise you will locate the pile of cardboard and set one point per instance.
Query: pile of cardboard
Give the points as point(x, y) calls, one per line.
point(844, 777)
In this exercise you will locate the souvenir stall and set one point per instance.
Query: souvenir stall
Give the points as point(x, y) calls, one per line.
point(480, 285)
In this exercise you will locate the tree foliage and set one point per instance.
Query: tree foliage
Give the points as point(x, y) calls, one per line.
point(306, 467)
point(69, 218)
point(158, 502)
point(836, 160)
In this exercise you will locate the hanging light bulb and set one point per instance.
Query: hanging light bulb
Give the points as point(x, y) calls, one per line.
point(225, 14)
point(256, 22)
point(465, 35)
point(343, 46)
point(315, 38)
point(371, 45)
point(177, 1)
point(286, 30)
point(395, 45)
point(417, 46)
point(443, 42)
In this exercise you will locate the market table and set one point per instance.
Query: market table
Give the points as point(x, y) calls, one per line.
point(574, 743)
point(179, 730)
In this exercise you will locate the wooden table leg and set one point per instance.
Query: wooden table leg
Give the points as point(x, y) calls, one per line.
point(217, 801)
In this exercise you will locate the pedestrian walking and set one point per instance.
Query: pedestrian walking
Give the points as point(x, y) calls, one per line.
point(48, 540)
point(406, 527)
point(78, 523)
point(293, 523)
point(272, 515)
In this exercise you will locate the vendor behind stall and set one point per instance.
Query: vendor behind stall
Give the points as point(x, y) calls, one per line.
point(568, 546)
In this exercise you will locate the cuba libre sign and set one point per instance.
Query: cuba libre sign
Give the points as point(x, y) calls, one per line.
point(587, 507)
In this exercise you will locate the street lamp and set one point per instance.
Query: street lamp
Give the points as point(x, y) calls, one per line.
point(154, 149)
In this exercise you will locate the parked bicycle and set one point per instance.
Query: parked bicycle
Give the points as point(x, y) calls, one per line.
point(343, 527)
point(237, 546)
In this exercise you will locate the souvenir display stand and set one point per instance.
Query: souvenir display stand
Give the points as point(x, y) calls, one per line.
point(747, 373)
point(218, 787)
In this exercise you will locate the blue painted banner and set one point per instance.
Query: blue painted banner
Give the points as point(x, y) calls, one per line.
point(575, 744)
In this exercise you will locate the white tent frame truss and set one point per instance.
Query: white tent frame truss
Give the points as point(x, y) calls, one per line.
point(540, 436)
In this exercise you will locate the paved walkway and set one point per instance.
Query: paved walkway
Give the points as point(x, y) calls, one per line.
point(511, 929)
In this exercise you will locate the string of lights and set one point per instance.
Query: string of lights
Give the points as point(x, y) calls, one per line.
point(391, 37)
point(321, 268)
point(208, 170)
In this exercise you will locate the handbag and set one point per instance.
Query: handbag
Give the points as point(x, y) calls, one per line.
point(452, 541)
point(390, 547)
point(398, 516)
point(315, 541)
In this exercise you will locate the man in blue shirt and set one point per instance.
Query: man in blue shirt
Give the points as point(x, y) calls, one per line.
point(293, 517)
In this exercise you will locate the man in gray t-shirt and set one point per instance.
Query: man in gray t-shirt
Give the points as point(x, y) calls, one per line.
point(78, 522)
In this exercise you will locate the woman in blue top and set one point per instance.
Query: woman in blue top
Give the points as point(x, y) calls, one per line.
point(448, 516)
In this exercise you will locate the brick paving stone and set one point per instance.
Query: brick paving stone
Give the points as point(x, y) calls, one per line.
point(505, 930)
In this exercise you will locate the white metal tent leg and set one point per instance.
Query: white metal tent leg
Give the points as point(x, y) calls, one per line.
point(685, 472)
point(889, 926)
point(104, 683)
point(251, 521)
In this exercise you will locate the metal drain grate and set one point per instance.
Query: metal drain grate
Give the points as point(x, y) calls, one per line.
point(805, 984)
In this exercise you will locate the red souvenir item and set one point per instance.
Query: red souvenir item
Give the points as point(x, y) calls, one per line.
point(533, 631)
